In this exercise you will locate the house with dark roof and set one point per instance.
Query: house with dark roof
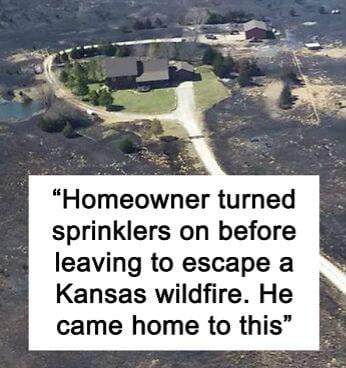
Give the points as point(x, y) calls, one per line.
point(130, 72)
point(256, 29)
point(154, 72)
point(121, 72)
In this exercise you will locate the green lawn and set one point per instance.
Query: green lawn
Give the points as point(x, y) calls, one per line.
point(95, 86)
point(157, 101)
point(209, 91)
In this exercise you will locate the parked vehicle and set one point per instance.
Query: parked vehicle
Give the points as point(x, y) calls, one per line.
point(143, 89)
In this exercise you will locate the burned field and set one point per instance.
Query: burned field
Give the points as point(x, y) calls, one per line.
point(27, 150)
point(251, 135)
point(60, 24)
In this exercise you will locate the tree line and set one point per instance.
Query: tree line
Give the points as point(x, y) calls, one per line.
point(224, 66)
point(105, 48)
point(147, 24)
point(236, 16)
point(77, 77)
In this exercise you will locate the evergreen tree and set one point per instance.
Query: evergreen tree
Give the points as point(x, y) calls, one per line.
point(81, 88)
point(77, 53)
point(123, 51)
point(215, 18)
point(244, 77)
point(322, 10)
point(71, 81)
point(94, 98)
point(81, 52)
point(289, 75)
point(94, 71)
point(63, 77)
point(148, 24)
point(286, 99)
point(126, 145)
point(108, 49)
point(138, 25)
point(209, 56)
point(219, 66)
point(68, 130)
point(228, 66)
point(253, 68)
point(158, 23)
point(91, 51)
point(79, 72)
point(105, 99)
point(64, 57)
point(293, 12)
point(57, 59)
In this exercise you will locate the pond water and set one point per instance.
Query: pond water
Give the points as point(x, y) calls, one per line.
point(13, 111)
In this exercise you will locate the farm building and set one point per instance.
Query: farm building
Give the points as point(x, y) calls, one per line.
point(130, 72)
point(313, 46)
point(256, 29)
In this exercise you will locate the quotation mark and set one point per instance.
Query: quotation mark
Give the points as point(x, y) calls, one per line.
point(287, 318)
point(56, 192)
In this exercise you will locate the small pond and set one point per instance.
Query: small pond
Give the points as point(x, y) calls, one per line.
point(14, 111)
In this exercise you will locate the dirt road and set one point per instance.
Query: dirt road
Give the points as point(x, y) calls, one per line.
point(192, 121)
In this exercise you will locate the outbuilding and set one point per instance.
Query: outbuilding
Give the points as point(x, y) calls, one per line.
point(184, 71)
point(313, 46)
point(256, 29)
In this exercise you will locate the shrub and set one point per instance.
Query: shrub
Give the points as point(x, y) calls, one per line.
point(63, 77)
point(156, 128)
point(244, 77)
point(289, 75)
point(81, 88)
point(94, 98)
point(77, 53)
point(148, 24)
point(138, 25)
point(215, 18)
point(123, 51)
point(68, 130)
point(57, 59)
point(209, 56)
point(231, 16)
point(322, 10)
point(223, 66)
point(64, 57)
point(158, 23)
point(105, 98)
point(51, 125)
point(293, 12)
point(126, 145)
point(286, 98)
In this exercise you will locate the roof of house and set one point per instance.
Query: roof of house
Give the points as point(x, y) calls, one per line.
point(255, 24)
point(120, 67)
point(183, 65)
point(154, 70)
